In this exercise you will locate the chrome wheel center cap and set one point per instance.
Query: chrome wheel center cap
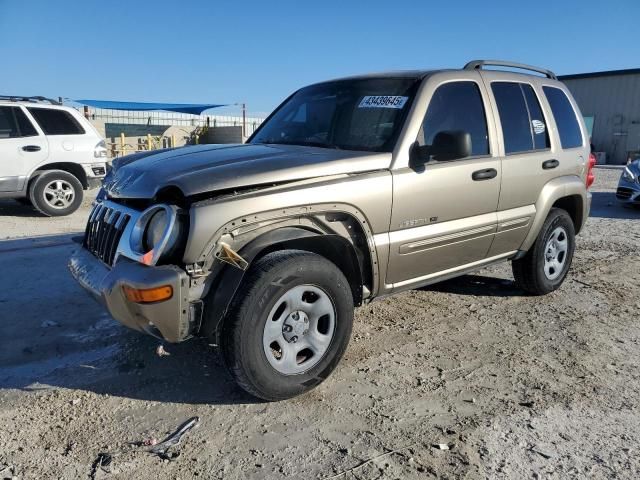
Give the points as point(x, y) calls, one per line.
point(295, 326)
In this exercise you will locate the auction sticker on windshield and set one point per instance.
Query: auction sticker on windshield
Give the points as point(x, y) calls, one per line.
point(383, 101)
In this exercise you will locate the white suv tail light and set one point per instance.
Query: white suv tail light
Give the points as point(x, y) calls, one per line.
point(100, 150)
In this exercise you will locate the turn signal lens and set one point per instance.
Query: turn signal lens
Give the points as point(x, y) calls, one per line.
point(147, 295)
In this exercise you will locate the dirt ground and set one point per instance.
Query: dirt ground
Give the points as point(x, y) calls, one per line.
point(514, 386)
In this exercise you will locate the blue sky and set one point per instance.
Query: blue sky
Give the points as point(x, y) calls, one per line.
point(260, 51)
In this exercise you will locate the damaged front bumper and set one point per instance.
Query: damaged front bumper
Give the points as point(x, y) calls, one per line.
point(628, 192)
point(173, 320)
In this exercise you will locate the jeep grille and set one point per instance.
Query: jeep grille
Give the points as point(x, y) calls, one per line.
point(103, 232)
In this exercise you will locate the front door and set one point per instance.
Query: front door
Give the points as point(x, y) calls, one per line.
point(22, 147)
point(444, 212)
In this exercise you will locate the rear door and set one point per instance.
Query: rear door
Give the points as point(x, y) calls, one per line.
point(444, 214)
point(68, 139)
point(530, 152)
point(22, 147)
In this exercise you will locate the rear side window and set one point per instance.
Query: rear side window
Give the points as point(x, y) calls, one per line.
point(56, 122)
point(14, 123)
point(523, 125)
point(566, 120)
point(457, 106)
point(536, 117)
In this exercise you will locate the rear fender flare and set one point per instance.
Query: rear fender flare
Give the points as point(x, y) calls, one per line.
point(554, 190)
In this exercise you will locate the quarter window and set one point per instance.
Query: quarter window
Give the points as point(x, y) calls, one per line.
point(56, 122)
point(523, 125)
point(565, 115)
point(457, 106)
point(14, 123)
point(536, 117)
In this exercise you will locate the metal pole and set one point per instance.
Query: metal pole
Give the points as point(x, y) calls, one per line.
point(244, 120)
point(122, 143)
point(148, 141)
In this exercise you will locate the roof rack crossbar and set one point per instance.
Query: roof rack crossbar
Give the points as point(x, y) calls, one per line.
point(23, 98)
point(478, 64)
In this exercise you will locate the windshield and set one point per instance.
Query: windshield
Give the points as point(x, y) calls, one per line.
point(362, 114)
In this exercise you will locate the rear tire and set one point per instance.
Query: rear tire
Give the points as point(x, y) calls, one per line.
point(545, 266)
point(55, 193)
point(288, 326)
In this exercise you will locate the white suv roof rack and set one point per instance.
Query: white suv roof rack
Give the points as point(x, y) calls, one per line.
point(35, 99)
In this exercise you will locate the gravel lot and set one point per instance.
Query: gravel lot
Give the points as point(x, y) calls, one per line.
point(514, 386)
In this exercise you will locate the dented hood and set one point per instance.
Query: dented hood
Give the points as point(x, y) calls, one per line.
point(209, 168)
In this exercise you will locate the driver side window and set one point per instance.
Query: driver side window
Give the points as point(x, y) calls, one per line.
point(456, 106)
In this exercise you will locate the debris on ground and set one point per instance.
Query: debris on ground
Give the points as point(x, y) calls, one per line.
point(101, 463)
point(104, 459)
point(161, 352)
point(69, 448)
point(174, 439)
point(541, 453)
point(526, 404)
point(352, 470)
point(442, 446)
point(7, 470)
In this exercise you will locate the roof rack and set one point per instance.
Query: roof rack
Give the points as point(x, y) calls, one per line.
point(478, 64)
point(21, 98)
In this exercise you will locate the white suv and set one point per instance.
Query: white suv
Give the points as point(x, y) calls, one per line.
point(49, 154)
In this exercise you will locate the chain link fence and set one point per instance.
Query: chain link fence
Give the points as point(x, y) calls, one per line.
point(128, 131)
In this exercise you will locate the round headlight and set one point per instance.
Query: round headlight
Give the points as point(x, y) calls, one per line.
point(155, 230)
point(156, 234)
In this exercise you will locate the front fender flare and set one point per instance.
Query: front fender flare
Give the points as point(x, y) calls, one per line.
point(224, 285)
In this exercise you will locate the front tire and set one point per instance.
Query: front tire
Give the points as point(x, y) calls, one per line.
point(545, 266)
point(56, 193)
point(289, 324)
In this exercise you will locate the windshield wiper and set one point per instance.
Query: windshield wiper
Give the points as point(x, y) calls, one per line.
point(321, 145)
point(302, 143)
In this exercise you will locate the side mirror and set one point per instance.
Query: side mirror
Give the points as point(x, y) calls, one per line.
point(447, 145)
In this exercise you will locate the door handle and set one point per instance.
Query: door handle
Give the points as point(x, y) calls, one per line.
point(549, 164)
point(31, 148)
point(486, 174)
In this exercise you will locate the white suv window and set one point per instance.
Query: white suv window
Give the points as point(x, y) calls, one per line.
point(56, 122)
point(14, 123)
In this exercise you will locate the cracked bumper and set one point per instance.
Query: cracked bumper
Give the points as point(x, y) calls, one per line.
point(173, 320)
point(628, 192)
